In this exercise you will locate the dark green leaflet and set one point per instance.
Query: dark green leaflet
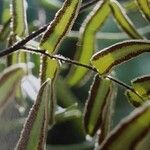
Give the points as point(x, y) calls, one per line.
point(60, 26)
point(90, 26)
point(9, 80)
point(34, 132)
point(98, 95)
point(52, 4)
point(144, 6)
point(142, 86)
point(107, 59)
point(130, 131)
point(69, 113)
point(13, 58)
point(64, 95)
point(19, 23)
point(123, 20)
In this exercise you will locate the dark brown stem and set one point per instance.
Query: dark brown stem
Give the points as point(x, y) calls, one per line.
point(21, 43)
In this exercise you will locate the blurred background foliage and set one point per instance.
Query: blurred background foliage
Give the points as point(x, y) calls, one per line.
point(40, 12)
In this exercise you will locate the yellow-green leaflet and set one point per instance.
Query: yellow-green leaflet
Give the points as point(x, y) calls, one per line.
point(142, 86)
point(144, 6)
point(50, 68)
point(130, 131)
point(19, 23)
point(123, 20)
point(33, 136)
point(9, 80)
point(107, 59)
point(61, 24)
point(133, 98)
point(90, 26)
point(98, 95)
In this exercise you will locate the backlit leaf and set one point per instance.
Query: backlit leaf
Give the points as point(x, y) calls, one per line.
point(50, 68)
point(61, 24)
point(98, 95)
point(90, 26)
point(130, 131)
point(123, 20)
point(144, 6)
point(9, 80)
point(107, 59)
point(133, 98)
point(142, 86)
point(19, 17)
point(19, 23)
point(33, 135)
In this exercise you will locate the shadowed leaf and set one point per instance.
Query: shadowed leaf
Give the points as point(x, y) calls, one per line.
point(9, 80)
point(90, 26)
point(4, 32)
point(69, 113)
point(130, 131)
point(123, 20)
point(52, 4)
point(107, 59)
point(65, 95)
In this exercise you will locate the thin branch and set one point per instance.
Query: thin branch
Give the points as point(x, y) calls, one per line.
point(21, 43)
point(59, 57)
point(120, 83)
point(74, 62)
